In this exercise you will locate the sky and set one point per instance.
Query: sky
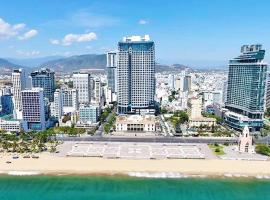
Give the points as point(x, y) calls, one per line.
point(191, 32)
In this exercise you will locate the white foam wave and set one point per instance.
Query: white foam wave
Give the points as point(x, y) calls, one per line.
point(162, 175)
point(23, 173)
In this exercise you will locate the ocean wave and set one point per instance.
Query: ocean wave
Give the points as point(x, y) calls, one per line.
point(262, 177)
point(23, 173)
point(162, 175)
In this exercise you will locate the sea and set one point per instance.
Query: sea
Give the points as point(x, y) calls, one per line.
point(131, 188)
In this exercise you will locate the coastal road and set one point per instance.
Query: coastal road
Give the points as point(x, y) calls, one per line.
point(151, 139)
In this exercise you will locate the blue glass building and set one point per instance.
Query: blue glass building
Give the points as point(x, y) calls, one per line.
point(111, 70)
point(246, 88)
point(44, 78)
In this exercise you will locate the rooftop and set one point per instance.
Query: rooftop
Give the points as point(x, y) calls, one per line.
point(124, 119)
point(136, 38)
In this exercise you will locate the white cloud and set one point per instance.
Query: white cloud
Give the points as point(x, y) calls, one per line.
point(28, 53)
point(72, 38)
point(143, 22)
point(29, 34)
point(54, 41)
point(7, 30)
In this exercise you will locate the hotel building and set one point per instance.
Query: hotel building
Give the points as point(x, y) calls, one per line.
point(136, 75)
point(246, 89)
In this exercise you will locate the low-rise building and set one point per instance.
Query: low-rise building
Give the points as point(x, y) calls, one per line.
point(136, 123)
point(89, 113)
point(195, 116)
point(9, 124)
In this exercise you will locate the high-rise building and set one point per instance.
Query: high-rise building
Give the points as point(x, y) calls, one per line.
point(112, 70)
point(224, 92)
point(18, 79)
point(136, 75)
point(82, 83)
point(267, 96)
point(246, 88)
point(56, 105)
point(6, 104)
point(70, 101)
point(33, 108)
point(187, 84)
point(44, 78)
point(97, 90)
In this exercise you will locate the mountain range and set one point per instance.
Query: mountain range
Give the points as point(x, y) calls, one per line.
point(68, 64)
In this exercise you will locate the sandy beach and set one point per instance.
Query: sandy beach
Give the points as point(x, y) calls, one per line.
point(55, 165)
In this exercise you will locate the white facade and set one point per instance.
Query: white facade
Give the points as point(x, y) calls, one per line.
point(245, 142)
point(18, 79)
point(56, 106)
point(98, 92)
point(136, 123)
point(82, 83)
point(70, 100)
point(12, 125)
point(195, 107)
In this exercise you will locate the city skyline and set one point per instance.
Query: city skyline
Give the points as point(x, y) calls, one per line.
point(193, 33)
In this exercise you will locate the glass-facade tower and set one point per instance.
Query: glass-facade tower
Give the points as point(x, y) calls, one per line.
point(136, 75)
point(44, 78)
point(246, 88)
point(111, 70)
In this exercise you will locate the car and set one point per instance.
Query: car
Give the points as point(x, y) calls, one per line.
point(26, 156)
point(8, 162)
point(15, 157)
point(34, 156)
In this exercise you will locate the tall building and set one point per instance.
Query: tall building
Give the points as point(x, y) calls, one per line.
point(136, 75)
point(187, 84)
point(6, 104)
point(246, 88)
point(33, 108)
point(112, 70)
point(82, 83)
point(224, 92)
point(70, 101)
point(44, 78)
point(18, 79)
point(267, 96)
point(56, 105)
point(97, 90)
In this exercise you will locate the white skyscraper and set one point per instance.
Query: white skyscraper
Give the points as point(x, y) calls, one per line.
point(56, 106)
point(97, 91)
point(33, 108)
point(136, 75)
point(82, 83)
point(18, 78)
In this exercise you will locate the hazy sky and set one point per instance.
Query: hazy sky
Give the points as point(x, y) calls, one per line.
point(196, 32)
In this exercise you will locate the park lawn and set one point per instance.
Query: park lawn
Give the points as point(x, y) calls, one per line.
point(217, 149)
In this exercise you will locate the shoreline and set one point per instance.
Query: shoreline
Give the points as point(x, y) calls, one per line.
point(151, 175)
point(53, 165)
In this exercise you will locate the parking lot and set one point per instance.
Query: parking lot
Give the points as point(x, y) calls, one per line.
point(134, 150)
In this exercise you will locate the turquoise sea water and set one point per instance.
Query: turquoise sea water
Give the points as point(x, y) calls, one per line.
point(127, 188)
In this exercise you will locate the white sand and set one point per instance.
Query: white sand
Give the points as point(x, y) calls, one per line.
point(49, 164)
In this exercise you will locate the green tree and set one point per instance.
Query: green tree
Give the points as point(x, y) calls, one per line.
point(263, 149)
